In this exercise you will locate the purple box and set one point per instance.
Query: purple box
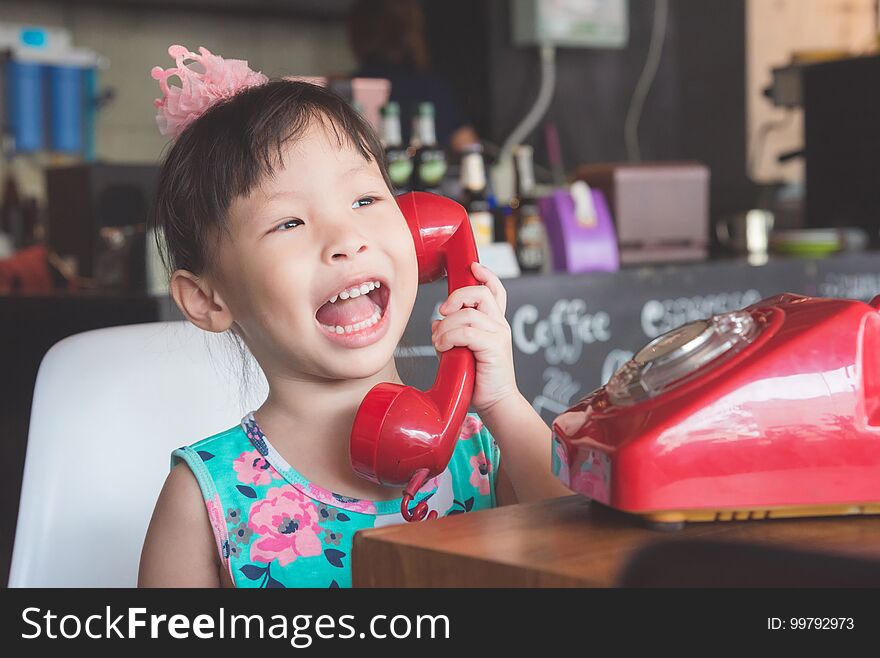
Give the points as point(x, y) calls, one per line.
point(578, 247)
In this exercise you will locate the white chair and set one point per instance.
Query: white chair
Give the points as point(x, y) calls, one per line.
point(109, 407)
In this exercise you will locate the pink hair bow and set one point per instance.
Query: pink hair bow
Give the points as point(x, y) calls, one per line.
point(205, 79)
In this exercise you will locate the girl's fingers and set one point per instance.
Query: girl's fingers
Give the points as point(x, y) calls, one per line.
point(474, 338)
point(478, 297)
point(466, 317)
point(487, 277)
point(468, 328)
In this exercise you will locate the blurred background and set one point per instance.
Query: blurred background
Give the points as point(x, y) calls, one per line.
point(628, 166)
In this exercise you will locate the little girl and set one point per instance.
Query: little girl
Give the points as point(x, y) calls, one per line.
point(281, 227)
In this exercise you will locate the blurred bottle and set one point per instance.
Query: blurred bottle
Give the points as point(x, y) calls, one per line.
point(474, 198)
point(32, 231)
point(505, 225)
point(531, 237)
point(397, 158)
point(429, 160)
point(12, 211)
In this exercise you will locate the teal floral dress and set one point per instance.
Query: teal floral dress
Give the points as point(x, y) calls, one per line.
point(275, 528)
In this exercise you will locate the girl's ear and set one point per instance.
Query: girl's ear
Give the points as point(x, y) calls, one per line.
point(200, 302)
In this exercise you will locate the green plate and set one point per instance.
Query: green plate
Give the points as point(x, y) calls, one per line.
point(808, 249)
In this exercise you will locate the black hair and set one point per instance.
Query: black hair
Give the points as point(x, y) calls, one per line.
point(227, 151)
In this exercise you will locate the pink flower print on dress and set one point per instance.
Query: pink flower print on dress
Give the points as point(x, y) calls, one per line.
point(205, 79)
point(218, 526)
point(480, 473)
point(253, 469)
point(218, 523)
point(338, 500)
point(286, 523)
point(470, 427)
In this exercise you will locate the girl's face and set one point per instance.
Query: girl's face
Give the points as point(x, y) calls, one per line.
point(323, 227)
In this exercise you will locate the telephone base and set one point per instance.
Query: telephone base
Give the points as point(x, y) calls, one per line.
point(677, 518)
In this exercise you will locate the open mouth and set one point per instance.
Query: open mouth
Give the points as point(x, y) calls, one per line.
point(357, 309)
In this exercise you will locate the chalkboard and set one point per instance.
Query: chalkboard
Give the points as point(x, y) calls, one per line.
point(570, 333)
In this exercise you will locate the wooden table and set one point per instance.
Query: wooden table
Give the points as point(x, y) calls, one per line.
point(569, 542)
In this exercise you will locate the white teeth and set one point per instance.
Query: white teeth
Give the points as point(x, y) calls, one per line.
point(357, 326)
point(356, 291)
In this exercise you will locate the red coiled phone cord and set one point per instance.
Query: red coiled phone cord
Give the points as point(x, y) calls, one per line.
point(420, 511)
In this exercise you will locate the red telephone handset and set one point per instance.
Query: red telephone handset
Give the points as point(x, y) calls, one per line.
point(401, 435)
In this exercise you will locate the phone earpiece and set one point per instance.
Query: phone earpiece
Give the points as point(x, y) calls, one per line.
point(401, 435)
point(440, 228)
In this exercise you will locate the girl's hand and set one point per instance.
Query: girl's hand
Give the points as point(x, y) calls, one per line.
point(474, 318)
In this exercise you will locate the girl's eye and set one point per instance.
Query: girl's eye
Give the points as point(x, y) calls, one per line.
point(364, 201)
point(289, 224)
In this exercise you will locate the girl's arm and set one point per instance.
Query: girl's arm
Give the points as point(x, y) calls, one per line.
point(525, 443)
point(475, 319)
point(179, 550)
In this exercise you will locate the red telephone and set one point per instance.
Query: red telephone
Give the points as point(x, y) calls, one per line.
point(402, 435)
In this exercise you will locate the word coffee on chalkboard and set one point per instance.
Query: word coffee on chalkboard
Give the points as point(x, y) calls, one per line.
point(562, 334)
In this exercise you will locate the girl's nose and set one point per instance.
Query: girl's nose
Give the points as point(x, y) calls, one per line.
point(346, 244)
point(348, 252)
